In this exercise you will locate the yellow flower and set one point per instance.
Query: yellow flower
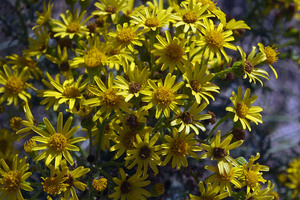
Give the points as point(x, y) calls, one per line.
point(28, 123)
point(210, 193)
point(251, 175)
point(7, 140)
point(144, 154)
point(15, 123)
point(137, 82)
point(72, 181)
point(271, 55)
point(172, 53)
point(72, 25)
point(212, 8)
point(108, 98)
point(45, 17)
point(243, 111)
point(226, 179)
point(249, 64)
point(39, 46)
point(92, 55)
point(130, 188)
point(20, 62)
point(214, 39)
point(127, 36)
point(179, 147)
point(162, 95)
point(14, 85)
point(100, 184)
point(28, 145)
point(64, 64)
point(12, 179)
point(57, 143)
point(294, 184)
point(199, 83)
point(151, 19)
point(70, 92)
point(190, 119)
point(259, 193)
point(191, 16)
point(220, 151)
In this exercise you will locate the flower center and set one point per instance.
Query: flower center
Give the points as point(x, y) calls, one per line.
point(15, 123)
point(125, 36)
point(28, 145)
point(11, 181)
point(214, 39)
point(26, 61)
point(128, 139)
point(144, 153)
point(211, 3)
point(134, 87)
point(100, 184)
point(94, 57)
point(58, 142)
point(187, 117)
point(251, 178)
point(73, 27)
point(110, 99)
point(179, 147)
point(14, 85)
point(227, 177)
point(71, 92)
point(69, 181)
point(51, 185)
point(132, 122)
point(174, 52)
point(271, 55)
point(64, 66)
point(239, 134)
point(248, 66)
point(111, 9)
point(125, 187)
point(190, 17)
point(164, 96)
point(219, 152)
point(152, 22)
point(196, 85)
point(242, 110)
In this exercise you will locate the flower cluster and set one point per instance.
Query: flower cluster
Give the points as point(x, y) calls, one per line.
point(139, 83)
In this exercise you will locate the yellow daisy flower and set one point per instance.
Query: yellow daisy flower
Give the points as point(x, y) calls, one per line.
point(70, 92)
point(212, 8)
point(199, 83)
point(130, 188)
point(57, 143)
point(191, 16)
point(151, 19)
point(191, 119)
point(110, 8)
point(92, 55)
point(294, 184)
point(214, 39)
point(64, 64)
point(271, 54)
point(162, 95)
point(178, 148)
point(127, 36)
point(212, 192)
point(100, 184)
point(249, 64)
point(13, 85)
point(251, 175)
point(225, 180)
point(20, 62)
point(12, 179)
point(259, 193)
point(39, 46)
point(144, 154)
point(220, 151)
point(243, 111)
point(72, 181)
point(108, 98)
point(73, 24)
point(137, 82)
point(171, 52)
point(45, 17)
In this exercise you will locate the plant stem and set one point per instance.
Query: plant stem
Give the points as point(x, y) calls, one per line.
point(216, 126)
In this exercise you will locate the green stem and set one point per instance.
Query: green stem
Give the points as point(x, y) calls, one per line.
point(157, 125)
point(228, 133)
point(91, 141)
point(216, 126)
point(225, 71)
point(111, 163)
